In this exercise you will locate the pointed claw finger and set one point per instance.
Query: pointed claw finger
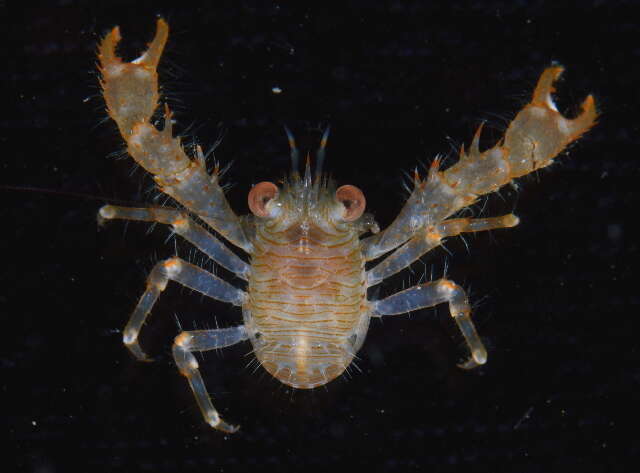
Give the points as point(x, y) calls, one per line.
point(151, 57)
point(544, 88)
point(469, 364)
point(107, 48)
point(587, 118)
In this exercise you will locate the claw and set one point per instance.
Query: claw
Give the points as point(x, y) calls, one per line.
point(542, 97)
point(571, 128)
point(150, 58)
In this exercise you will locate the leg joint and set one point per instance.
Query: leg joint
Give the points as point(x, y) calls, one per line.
point(449, 287)
point(180, 223)
point(129, 336)
point(187, 363)
point(183, 340)
point(172, 266)
point(455, 295)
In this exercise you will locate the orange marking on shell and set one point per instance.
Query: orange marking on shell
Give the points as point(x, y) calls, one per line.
point(182, 339)
point(434, 236)
point(172, 263)
point(447, 284)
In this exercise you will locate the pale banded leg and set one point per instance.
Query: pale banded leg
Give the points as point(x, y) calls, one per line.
point(175, 269)
point(203, 340)
point(185, 227)
point(429, 295)
point(429, 239)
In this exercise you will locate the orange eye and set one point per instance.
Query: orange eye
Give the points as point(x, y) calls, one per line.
point(259, 196)
point(353, 200)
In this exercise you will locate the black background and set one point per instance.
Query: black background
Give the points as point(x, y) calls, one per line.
point(399, 82)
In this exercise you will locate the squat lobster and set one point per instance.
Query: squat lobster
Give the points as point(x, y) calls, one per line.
point(305, 309)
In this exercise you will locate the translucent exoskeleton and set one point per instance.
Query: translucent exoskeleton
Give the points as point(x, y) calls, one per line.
point(305, 307)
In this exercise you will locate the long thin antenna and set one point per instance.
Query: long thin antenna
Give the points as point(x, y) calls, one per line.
point(321, 152)
point(295, 155)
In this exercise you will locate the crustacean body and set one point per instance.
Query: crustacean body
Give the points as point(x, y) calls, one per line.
point(305, 307)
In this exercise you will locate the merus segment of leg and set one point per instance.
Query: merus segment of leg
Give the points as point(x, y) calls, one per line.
point(202, 340)
point(130, 90)
point(187, 229)
point(432, 294)
point(183, 273)
point(430, 238)
point(533, 139)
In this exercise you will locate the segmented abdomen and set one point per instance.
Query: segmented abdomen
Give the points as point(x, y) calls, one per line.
point(306, 298)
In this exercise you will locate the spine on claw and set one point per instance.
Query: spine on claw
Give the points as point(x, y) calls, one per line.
point(537, 134)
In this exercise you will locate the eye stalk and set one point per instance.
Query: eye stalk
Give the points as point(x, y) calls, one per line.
point(353, 201)
point(260, 196)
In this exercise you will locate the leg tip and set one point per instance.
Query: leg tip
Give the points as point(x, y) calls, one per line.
point(107, 212)
point(478, 358)
point(224, 427)
point(134, 348)
point(511, 220)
